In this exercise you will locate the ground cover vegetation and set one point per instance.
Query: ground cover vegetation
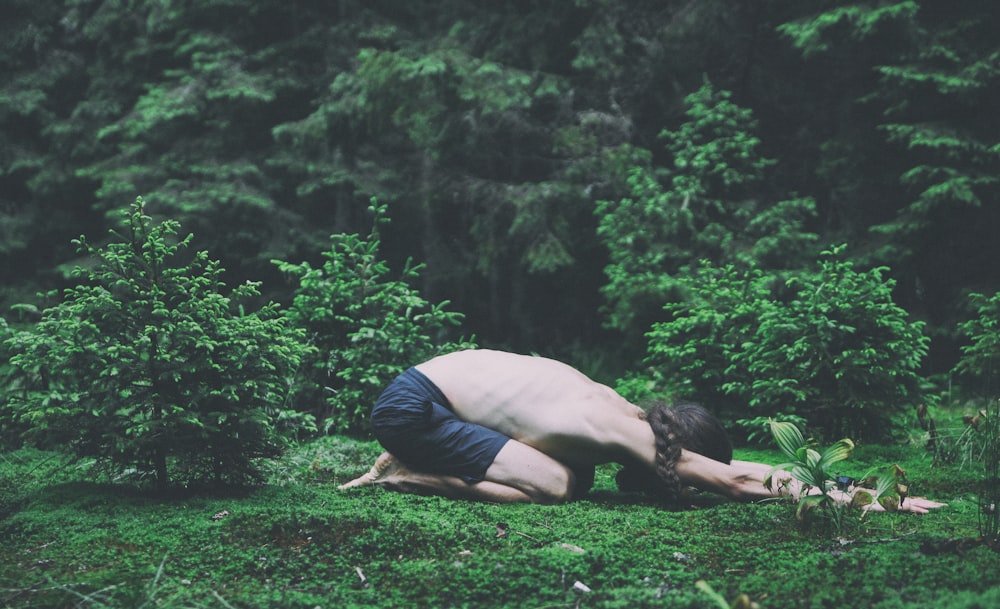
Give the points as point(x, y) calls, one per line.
point(76, 540)
point(781, 209)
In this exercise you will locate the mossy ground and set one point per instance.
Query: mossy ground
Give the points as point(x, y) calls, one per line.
point(70, 539)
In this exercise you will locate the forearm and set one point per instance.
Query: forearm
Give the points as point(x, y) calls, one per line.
point(751, 487)
point(748, 482)
point(744, 481)
point(784, 485)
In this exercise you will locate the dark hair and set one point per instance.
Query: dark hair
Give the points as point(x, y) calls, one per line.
point(687, 426)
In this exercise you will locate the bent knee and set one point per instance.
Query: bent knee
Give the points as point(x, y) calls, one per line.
point(558, 487)
point(540, 477)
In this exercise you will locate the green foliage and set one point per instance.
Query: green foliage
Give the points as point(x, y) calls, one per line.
point(367, 327)
point(10, 430)
point(495, 126)
point(697, 350)
point(149, 367)
point(810, 467)
point(414, 90)
point(933, 95)
point(953, 439)
point(463, 141)
point(740, 602)
point(840, 346)
point(710, 205)
point(916, 78)
point(209, 82)
point(980, 438)
point(758, 429)
point(981, 355)
point(817, 34)
point(829, 345)
point(814, 470)
point(644, 388)
point(989, 496)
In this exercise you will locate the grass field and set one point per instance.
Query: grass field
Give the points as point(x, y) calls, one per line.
point(70, 538)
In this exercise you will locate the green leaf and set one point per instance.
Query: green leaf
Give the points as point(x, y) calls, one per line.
point(890, 503)
point(788, 437)
point(808, 503)
point(861, 499)
point(812, 461)
point(836, 453)
point(805, 475)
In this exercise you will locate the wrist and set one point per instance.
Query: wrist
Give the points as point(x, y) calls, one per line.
point(787, 486)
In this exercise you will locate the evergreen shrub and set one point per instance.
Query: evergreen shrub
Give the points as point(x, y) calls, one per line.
point(828, 345)
point(367, 326)
point(149, 367)
point(10, 431)
point(981, 355)
point(709, 203)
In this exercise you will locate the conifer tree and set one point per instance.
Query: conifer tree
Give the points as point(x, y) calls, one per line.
point(150, 367)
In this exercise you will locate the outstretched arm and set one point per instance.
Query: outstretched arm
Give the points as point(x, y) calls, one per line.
point(744, 481)
point(739, 480)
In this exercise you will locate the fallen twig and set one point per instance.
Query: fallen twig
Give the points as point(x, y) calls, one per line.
point(361, 575)
point(526, 536)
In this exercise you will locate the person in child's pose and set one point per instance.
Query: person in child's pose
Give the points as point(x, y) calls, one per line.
point(497, 426)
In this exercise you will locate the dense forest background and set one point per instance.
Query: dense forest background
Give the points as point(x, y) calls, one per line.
point(553, 164)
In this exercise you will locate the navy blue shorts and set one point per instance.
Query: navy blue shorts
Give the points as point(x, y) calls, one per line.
point(413, 420)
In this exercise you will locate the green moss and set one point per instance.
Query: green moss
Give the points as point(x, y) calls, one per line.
point(301, 543)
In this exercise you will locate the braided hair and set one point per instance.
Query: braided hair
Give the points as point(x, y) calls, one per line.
point(687, 426)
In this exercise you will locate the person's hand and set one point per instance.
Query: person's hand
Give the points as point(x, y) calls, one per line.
point(914, 505)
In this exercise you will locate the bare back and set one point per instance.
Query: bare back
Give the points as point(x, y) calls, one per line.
point(541, 402)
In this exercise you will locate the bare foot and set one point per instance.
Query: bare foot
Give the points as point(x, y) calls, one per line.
point(384, 467)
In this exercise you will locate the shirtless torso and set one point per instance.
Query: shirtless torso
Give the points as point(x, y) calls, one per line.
point(540, 402)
